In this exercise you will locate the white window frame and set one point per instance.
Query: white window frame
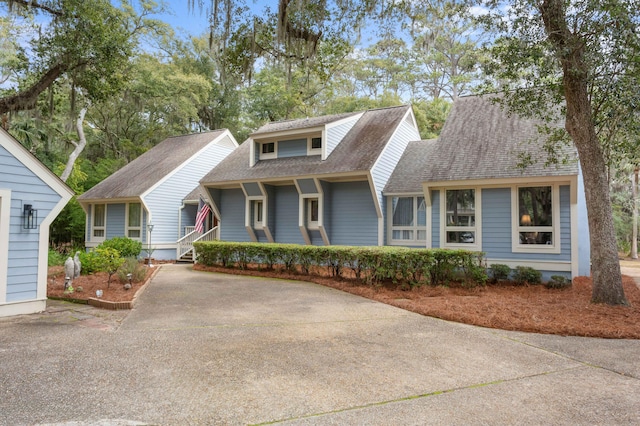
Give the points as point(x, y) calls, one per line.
point(312, 224)
point(95, 228)
point(128, 226)
point(268, 155)
point(258, 207)
point(476, 229)
point(516, 228)
point(416, 228)
point(310, 149)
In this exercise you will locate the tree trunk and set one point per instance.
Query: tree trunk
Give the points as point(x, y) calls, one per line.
point(79, 147)
point(634, 198)
point(605, 266)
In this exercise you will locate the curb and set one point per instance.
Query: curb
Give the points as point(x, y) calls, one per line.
point(117, 306)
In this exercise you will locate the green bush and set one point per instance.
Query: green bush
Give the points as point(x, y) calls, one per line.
point(55, 258)
point(132, 266)
point(527, 275)
point(499, 272)
point(558, 282)
point(123, 245)
point(90, 262)
point(372, 265)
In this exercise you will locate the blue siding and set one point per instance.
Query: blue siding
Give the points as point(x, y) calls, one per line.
point(352, 215)
point(23, 248)
point(188, 217)
point(232, 205)
point(496, 227)
point(307, 186)
point(326, 211)
point(164, 201)
point(271, 209)
point(435, 219)
point(286, 205)
point(292, 148)
point(335, 134)
point(115, 220)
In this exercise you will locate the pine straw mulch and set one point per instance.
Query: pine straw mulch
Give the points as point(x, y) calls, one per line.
point(531, 308)
point(85, 286)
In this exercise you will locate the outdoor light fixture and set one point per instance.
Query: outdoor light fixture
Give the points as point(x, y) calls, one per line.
point(150, 228)
point(29, 217)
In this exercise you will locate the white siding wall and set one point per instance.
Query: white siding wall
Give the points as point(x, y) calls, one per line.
point(391, 155)
point(336, 133)
point(165, 200)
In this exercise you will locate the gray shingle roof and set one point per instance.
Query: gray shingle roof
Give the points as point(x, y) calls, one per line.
point(407, 176)
point(142, 173)
point(358, 151)
point(302, 123)
point(481, 141)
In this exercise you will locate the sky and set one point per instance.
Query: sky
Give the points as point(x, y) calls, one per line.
point(184, 21)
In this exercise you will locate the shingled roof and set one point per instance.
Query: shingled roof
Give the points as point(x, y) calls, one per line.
point(298, 124)
point(407, 176)
point(141, 174)
point(358, 150)
point(481, 141)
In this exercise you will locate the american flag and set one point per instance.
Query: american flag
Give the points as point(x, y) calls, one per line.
point(203, 211)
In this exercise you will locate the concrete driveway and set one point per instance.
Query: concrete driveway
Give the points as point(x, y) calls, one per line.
point(202, 349)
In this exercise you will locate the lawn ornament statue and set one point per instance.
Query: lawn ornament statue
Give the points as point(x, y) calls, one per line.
point(77, 265)
point(69, 269)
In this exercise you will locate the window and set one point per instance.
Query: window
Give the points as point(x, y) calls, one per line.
point(408, 219)
point(535, 215)
point(258, 219)
point(460, 220)
point(99, 213)
point(134, 220)
point(267, 150)
point(313, 213)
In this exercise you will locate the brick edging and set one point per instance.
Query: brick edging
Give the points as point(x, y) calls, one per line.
point(116, 306)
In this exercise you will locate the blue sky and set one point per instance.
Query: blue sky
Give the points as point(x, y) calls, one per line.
point(186, 22)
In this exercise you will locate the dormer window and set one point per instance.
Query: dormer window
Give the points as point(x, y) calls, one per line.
point(267, 150)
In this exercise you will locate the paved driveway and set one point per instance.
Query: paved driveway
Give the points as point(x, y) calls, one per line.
point(203, 348)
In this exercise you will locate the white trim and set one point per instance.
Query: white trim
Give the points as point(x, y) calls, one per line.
point(554, 248)
point(264, 137)
point(5, 228)
point(415, 228)
point(313, 224)
point(540, 265)
point(476, 229)
point(303, 222)
point(103, 228)
point(139, 228)
point(501, 182)
point(34, 165)
point(315, 151)
point(268, 155)
point(23, 307)
point(573, 207)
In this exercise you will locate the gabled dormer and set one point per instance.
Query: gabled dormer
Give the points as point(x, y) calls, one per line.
point(300, 138)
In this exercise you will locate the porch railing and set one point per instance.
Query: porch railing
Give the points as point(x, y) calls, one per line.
point(185, 244)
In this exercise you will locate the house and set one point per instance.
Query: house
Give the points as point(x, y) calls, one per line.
point(471, 189)
point(311, 181)
point(31, 197)
point(147, 201)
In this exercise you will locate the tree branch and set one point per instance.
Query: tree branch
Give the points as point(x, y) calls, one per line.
point(27, 98)
point(33, 5)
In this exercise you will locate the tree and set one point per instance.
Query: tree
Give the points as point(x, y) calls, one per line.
point(580, 58)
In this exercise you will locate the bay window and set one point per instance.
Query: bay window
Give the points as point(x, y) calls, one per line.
point(408, 220)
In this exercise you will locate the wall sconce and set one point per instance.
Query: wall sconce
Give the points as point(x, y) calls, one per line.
point(29, 217)
point(525, 220)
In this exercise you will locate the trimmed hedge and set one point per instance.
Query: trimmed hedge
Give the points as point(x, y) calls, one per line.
point(372, 265)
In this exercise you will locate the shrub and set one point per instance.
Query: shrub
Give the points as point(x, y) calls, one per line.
point(372, 265)
point(558, 282)
point(123, 245)
point(133, 267)
point(527, 275)
point(55, 258)
point(90, 262)
point(499, 272)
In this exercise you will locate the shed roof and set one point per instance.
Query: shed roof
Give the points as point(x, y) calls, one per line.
point(358, 151)
point(480, 140)
point(134, 179)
